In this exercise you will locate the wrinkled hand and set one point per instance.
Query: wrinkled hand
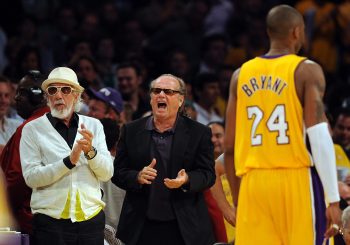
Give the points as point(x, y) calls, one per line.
point(147, 174)
point(230, 215)
point(180, 180)
point(86, 141)
point(333, 214)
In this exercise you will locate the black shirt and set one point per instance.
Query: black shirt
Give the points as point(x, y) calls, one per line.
point(159, 205)
point(67, 133)
point(162, 142)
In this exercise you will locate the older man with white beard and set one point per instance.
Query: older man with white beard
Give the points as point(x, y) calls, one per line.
point(64, 157)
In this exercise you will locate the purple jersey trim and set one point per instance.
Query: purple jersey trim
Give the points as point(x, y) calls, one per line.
point(319, 207)
point(272, 56)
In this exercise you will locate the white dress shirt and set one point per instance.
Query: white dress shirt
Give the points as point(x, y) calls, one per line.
point(205, 117)
point(42, 150)
point(8, 128)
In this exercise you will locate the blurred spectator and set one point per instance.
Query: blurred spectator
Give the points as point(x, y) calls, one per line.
point(30, 104)
point(7, 125)
point(106, 103)
point(27, 58)
point(320, 19)
point(157, 13)
point(87, 73)
point(77, 48)
point(185, 32)
point(110, 18)
point(341, 130)
point(214, 49)
point(206, 93)
point(218, 16)
point(189, 110)
point(224, 74)
point(177, 63)
point(113, 195)
point(89, 27)
point(105, 52)
point(133, 39)
point(221, 190)
point(213, 208)
point(64, 29)
point(129, 80)
point(3, 42)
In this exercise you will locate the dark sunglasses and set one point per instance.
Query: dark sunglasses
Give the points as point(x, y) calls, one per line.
point(166, 91)
point(52, 90)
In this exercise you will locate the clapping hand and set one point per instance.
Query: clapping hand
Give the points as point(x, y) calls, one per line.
point(86, 141)
point(180, 180)
point(147, 174)
point(84, 144)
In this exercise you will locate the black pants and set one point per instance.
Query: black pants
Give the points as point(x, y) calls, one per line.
point(50, 231)
point(160, 233)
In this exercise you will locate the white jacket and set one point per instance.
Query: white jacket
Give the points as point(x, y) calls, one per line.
point(42, 150)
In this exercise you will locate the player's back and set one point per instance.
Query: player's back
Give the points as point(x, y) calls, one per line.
point(269, 120)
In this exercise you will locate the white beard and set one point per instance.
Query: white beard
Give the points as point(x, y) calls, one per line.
point(61, 114)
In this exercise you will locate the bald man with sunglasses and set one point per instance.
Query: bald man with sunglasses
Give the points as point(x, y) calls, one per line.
point(164, 162)
point(64, 157)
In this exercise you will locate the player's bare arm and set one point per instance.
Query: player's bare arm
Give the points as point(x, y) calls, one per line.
point(230, 138)
point(310, 76)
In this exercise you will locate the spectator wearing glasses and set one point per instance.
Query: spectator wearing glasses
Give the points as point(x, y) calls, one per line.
point(164, 162)
point(64, 157)
point(30, 104)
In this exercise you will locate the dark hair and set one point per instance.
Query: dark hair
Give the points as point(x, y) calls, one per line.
point(35, 93)
point(205, 78)
point(208, 40)
point(111, 130)
point(218, 123)
point(132, 65)
point(4, 79)
point(36, 76)
point(345, 111)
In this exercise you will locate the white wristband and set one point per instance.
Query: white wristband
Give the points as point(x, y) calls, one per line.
point(324, 159)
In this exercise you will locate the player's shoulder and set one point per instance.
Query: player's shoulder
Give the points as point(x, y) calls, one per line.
point(307, 66)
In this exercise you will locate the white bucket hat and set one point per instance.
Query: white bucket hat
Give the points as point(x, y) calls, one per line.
point(62, 75)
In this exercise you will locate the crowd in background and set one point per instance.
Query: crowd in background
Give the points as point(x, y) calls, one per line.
point(118, 47)
point(184, 38)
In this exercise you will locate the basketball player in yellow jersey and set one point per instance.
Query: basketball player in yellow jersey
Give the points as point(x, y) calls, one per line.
point(273, 98)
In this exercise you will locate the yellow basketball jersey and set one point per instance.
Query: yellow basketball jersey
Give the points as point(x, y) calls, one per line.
point(269, 119)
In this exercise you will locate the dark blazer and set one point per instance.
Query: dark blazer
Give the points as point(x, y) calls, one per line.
point(192, 149)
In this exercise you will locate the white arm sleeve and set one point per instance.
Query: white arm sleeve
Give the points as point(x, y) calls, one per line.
point(324, 159)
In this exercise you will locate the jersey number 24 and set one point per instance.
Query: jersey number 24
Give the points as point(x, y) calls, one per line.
point(275, 123)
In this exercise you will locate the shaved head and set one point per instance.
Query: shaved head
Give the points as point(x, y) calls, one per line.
point(281, 19)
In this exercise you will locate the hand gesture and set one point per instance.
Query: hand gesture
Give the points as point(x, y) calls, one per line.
point(180, 180)
point(333, 214)
point(85, 142)
point(147, 174)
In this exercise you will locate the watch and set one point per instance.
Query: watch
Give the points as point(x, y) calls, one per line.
point(91, 154)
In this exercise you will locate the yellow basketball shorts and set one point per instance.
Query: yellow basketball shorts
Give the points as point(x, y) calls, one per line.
point(280, 207)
